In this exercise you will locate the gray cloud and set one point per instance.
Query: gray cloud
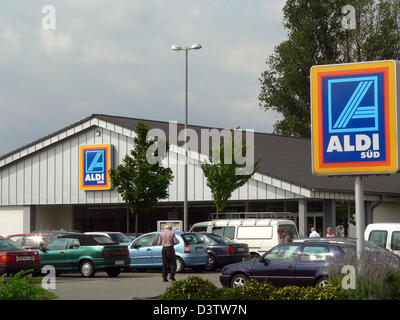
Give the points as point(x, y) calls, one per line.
point(115, 58)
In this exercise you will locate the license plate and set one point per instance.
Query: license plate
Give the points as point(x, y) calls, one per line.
point(241, 250)
point(200, 249)
point(119, 262)
point(24, 258)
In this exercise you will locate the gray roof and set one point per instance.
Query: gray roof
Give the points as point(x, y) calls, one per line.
point(281, 157)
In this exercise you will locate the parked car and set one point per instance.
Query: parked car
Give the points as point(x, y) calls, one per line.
point(223, 251)
point(133, 235)
point(190, 252)
point(85, 253)
point(259, 234)
point(385, 235)
point(31, 241)
point(300, 263)
point(118, 237)
point(14, 258)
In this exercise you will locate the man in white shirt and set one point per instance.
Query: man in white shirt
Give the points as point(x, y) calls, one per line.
point(314, 233)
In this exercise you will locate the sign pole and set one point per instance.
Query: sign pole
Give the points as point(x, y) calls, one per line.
point(360, 218)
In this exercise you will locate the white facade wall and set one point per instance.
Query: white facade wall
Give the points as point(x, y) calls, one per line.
point(387, 212)
point(14, 220)
point(50, 176)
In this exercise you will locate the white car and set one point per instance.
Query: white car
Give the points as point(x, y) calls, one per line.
point(259, 234)
point(116, 236)
point(385, 235)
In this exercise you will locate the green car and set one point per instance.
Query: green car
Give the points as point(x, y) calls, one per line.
point(86, 254)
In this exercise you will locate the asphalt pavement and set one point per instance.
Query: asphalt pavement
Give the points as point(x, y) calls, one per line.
point(135, 285)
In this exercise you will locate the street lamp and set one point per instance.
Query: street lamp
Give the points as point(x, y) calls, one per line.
point(195, 46)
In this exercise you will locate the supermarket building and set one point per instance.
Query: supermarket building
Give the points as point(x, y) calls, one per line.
point(41, 183)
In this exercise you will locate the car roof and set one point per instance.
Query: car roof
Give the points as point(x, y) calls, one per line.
point(84, 239)
point(340, 241)
point(30, 234)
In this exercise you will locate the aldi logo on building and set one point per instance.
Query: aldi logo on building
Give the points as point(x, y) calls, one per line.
point(354, 118)
point(95, 164)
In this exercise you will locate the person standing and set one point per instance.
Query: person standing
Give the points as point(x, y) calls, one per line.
point(168, 240)
point(314, 233)
point(330, 233)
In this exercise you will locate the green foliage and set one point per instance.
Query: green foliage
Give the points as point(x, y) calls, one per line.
point(367, 288)
point(315, 36)
point(22, 286)
point(252, 290)
point(141, 183)
point(222, 173)
point(194, 288)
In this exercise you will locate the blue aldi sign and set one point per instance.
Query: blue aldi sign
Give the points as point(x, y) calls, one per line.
point(95, 166)
point(354, 118)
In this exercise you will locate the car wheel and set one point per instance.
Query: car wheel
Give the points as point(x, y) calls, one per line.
point(179, 265)
point(238, 280)
point(87, 269)
point(212, 263)
point(322, 282)
point(113, 272)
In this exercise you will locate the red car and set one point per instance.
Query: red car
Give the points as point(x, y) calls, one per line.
point(14, 258)
point(31, 241)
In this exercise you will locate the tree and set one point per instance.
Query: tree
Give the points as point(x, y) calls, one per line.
point(140, 183)
point(221, 172)
point(316, 36)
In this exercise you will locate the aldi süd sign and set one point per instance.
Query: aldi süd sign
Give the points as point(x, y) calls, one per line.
point(354, 118)
point(95, 164)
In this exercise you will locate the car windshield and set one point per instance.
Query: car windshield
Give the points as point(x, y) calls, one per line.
point(120, 237)
point(8, 245)
point(218, 239)
point(103, 240)
point(191, 238)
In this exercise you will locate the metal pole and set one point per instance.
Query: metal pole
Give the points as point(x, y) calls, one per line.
point(185, 203)
point(360, 216)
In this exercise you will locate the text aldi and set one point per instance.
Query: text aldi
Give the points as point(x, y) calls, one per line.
point(95, 164)
point(354, 118)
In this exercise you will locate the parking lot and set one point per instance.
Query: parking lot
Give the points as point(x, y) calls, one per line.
point(132, 285)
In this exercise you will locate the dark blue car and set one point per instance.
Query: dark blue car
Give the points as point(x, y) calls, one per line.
point(223, 251)
point(298, 263)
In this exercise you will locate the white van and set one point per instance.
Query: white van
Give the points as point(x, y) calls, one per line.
point(385, 235)
point(259, 234)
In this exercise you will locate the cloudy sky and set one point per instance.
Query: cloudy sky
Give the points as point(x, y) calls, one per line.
point(114, 57)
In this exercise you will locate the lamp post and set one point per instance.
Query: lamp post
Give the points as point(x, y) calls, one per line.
point(195, 46)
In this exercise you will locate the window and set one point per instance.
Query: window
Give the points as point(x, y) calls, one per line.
point(290, 230)
point(227, 232)
point(192, 238)
point(395, 242)
point(199, 229)
point(103, 239)
point(18, 239)
point(254, 232)
point(285, 253)
point(146, 241)
point(314, 254)
point(58, 244)
point(8, 245)
point(120, 237)
point(33, 241)
point(378, 237)
point(206, 240)
point(74, 244)
point(219, 239)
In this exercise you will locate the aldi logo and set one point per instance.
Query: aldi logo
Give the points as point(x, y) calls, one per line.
point(95, 166)
point(354, 118)
point(353, 104)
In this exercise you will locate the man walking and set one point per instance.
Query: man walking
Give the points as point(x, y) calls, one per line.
point(168, 240)
point(314, 233)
